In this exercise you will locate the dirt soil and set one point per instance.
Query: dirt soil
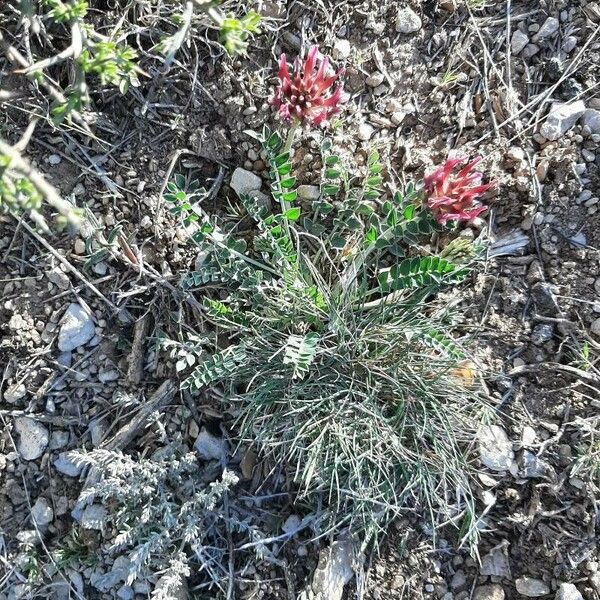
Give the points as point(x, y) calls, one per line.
point(453, 85)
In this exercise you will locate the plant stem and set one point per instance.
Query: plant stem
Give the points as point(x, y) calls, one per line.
point(291, 135)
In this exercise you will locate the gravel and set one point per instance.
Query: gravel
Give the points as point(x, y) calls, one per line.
point(341, 49)
point(489, 592)
point(33, 438)
point(309, 192)
point(15, 393)
point(548, 29)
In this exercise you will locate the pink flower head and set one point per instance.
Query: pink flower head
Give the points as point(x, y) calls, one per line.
point(453, 197)
point(301, 95)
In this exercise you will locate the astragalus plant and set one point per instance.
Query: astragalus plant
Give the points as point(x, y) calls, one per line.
point(342, 363)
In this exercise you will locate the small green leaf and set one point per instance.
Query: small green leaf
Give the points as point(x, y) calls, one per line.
point(292, 214)
point(371, 236)
point(331, 190)
point(288, 183)
point(332, 160)
point(284, 169)
point(290, 196)
point(373, 158)
point(332, 173)
point(338, 242)
point(409, 212)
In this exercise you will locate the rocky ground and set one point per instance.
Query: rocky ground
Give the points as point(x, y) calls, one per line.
point(515, 82)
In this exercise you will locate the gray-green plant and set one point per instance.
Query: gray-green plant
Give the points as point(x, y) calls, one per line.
point(164, 516)
point(342, 364)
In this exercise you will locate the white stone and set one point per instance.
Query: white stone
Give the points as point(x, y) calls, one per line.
point(375, 79)
point(341, 49)
point(33, 438)
point(407, 21)
point(109, 375)
point(549, 27)
point(54, 159)
point(15, 392)
point(531, 587)
point(561, 118)
point(518, 41)
point(567, 591)
point(100, 268)
point(515, 153)
point(569, 44)
point(59, 439)
point(495, 563)
point(489, 592)
point(591, 120)
point(125, 592)
point(93, 517)
point(365, 131)
point(495, 448)
point(59, 278)
point(66, 465)
point(42, 513)
point(77, 328)
point(210, 447)
point(244, 182)
point(530, 50)
point(309, 192)
point(595, 328)
point(334, 571)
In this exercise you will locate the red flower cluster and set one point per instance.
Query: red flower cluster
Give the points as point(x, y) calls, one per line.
point(452, 197)
point(301, 95)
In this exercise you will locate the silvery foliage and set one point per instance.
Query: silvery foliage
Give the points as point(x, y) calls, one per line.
point(163, 514)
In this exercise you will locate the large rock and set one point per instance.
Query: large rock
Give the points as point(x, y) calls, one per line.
point(33, 438)
point(334, 571)
point(518, 41)
point(548, 29)
point(244, 182)
point(561, 118)
point(77, 328)
point(495, 448)
point(42, 513)
point(531, 587)
point(211, 447)
point(567, 591)
point(591, 120)
point(66, 465)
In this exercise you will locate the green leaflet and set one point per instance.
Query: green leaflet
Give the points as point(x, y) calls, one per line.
point(419, 272)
